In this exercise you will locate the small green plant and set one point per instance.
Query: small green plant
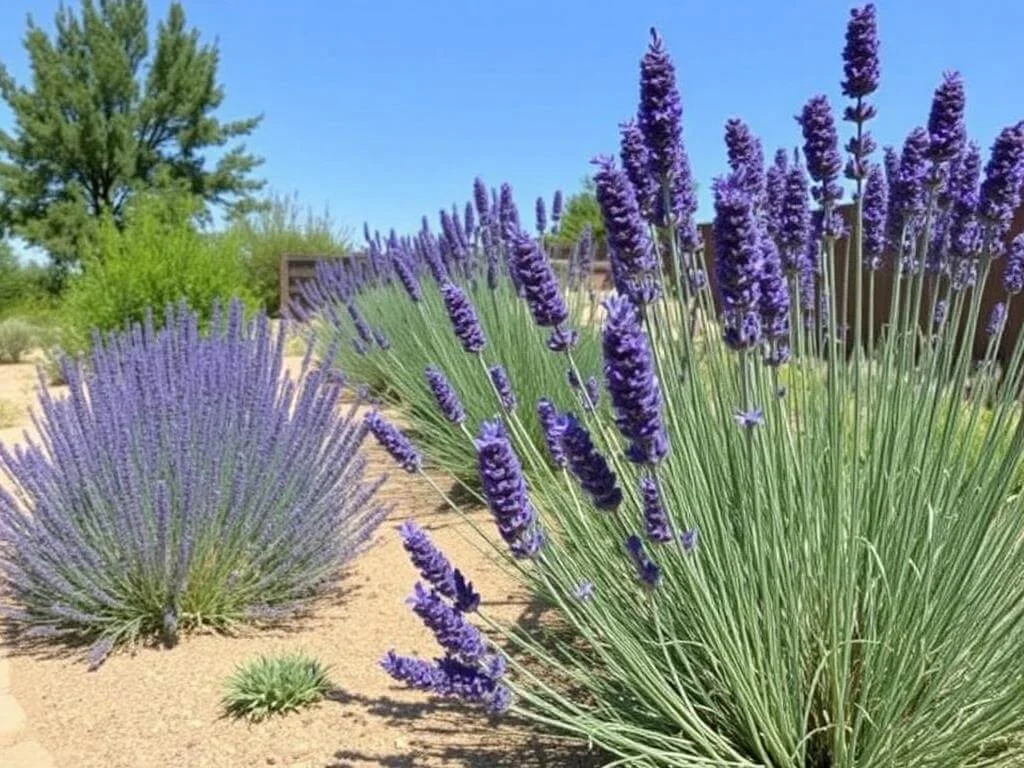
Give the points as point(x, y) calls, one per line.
point(16, 338)
point(10, 414)
point(271, 685)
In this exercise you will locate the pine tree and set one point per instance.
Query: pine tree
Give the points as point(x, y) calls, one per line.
point(104, 119)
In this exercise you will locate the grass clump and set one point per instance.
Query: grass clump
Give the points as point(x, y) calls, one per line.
point(275, 685)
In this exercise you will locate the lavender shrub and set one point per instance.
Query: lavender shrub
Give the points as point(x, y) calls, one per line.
point(183, 482)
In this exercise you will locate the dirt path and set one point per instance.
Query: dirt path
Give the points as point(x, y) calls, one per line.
point(162, 707)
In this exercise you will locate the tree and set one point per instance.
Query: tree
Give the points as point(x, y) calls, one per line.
point(581, 209)
point(104, 120)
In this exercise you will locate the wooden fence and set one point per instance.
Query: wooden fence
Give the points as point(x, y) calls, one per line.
point(295, 269)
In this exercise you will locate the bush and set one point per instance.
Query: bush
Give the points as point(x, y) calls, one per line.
point(159, 257)
point(737, 571)
point(275, 685)
point(282, 227)
point(16, 338)
point(10, 414)
point(182, 483)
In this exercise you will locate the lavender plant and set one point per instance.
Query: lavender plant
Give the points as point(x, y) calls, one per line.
point(809, 559)
point(184, 481)
point(450, 312)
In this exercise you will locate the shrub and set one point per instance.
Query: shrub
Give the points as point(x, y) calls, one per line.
point(10, 414)
point(387, 341)
point(275, 685)
point(734, 571)
point(183, 482)
point(16, 338)
point(158, 257)
point(282, 227)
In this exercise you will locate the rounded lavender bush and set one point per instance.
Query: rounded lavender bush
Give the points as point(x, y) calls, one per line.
point(184, 482)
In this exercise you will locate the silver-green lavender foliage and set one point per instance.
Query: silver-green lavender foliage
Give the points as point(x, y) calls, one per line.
point(844, 581)
point(184, 481)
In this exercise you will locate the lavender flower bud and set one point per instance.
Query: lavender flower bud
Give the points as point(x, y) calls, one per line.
point(394, 442)
point(633, 154)
point(656, 521)
point(435, 568)
point(556, 209)
point(738, 263)
point(464, 320)
point(876, 203)
point(542, 217)
point(1013, 272)
point(593, 392)
point(406, 276)
point(996, 319)
point(480, 199)
point(538, 282)
point(503, 387)
point(445, 396)
point(746, 158)
point(1004, 178)
point(589, 466)
point(794, 220)
point(773, 304)
point(632, 383)
point(660, 113)
point(750, 418)
point(505, 490)
point(860, 56)
point(946, 129)
point(907, 199)
point(469, 221)
point(821, 147)
point(775, 193)
point(362, 327)
point(449, 625)
point(628, 245)
point(552, 428)
point(508, 214)
point(646, 569)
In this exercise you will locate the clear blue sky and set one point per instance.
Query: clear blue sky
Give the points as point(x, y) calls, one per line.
point(387, 109)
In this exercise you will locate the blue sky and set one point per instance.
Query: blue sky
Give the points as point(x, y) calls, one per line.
point(387, 109)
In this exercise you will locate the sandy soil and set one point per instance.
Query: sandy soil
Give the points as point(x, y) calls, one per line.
point(162, 707)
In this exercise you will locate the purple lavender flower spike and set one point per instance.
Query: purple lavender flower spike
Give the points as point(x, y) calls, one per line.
point(562, 339)
point(907, 198)
point(773, 304)
point(505, 490)
point(794, 220)
point(394, 442)
point(416, 673)
point(477, 683)
point(646, 569)
point(470, 221)
point(361, 326)
point(775, 194)
point(996, 319)
point(482, 201)
point(552, 428)
point(508, 214)
point(464, 320)
point(633, 154)
point(821, 148)
point(946, 129)
point(435, 568)
point(749, 419)
point(629, 248)
point(499, 377)
point(406, 276)
point(589, 466)
point(453, 632)
point(632, 383)
point(746, 158)
point(689, 539)
point(860, 56)
point(556, 209)
point(656, 521)
point(444, 394)
point(941, 308)
point(1004, 178)
point(538, 282)
point(738, 263)
point(660, 113)
point(876, 203)
point(593, 392)
point(1013, 271)
point(542, 217)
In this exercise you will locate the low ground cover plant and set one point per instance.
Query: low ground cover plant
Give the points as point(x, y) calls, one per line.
point(275, 685)
point(777, 546)
point(184, 482)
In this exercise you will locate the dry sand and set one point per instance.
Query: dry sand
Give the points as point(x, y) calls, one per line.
point(162, 707)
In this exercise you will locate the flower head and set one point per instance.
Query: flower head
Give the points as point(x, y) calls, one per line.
point(394, 441)
point(629, 248)
point(445, 395)
point(1004, 178)
point(1013, 272)
point(860, 56)
point(505, 490)
point(502, 385)
point(542, 216)
point(634, 157)
point(552, 428)
point(449, 625)
point(746, 158)
point(946, 130)
point(794, 220)
point(584, 591)
point(463, 316)
point(821, 147)
point(656, 521)
point(435, 568)
point(537, 281)
point(481, 200)
point(749, 419)
point(738, 263)
point(632, 383)
point(556, 208)
point(775, 193)
point(876, 203)
point(660, 113)
point(996, 319)
point(646, 569)
point(589, 466)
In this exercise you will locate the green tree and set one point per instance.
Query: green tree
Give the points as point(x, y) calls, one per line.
point(105, 118)
point(580, 210)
